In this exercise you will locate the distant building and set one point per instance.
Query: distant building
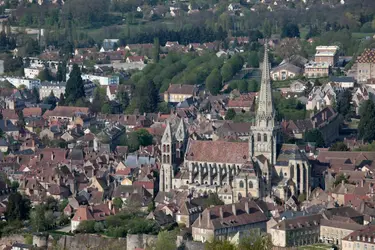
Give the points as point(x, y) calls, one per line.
point(179, 92)
point(343, 81)
point(317, 69)
point(19, 82)
point(223, 222)
point(366, 66)
point(32, 72)
point(327, 54)
point(46, 88)
point(285, 71)
point(360, 239)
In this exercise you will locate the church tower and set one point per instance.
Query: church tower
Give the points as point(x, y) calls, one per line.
point(264, 132)
point(173, 146)
point(166, 170)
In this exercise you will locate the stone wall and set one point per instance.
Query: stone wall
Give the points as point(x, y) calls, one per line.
point(139, 240)
point(87, 241)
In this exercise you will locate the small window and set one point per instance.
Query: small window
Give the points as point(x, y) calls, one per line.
point(264, 137)
point(259, 137)
point(241, 184)
point(251, 184)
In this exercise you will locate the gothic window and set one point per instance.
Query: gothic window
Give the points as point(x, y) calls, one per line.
point(168, 148)
point(259, 137)
point(178, 154)
point(251, 184)
point(164, 148)
point(265, 137)
point(164, 159)
point(168, 159)
point(241, 184)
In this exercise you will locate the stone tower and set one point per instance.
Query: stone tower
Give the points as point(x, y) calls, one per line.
point(173, 145)
point(264, 132)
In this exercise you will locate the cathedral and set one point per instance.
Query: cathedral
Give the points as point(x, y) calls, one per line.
point(258, 168)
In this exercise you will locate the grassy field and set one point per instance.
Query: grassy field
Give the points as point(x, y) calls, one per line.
point(359, 35)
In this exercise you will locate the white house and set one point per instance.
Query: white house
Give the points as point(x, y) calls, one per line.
point(343, 81)
point(102, 80)
point(32, 72)
point(29, 83)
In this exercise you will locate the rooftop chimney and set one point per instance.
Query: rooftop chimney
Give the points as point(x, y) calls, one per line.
point(200, 219)
point(247, 207)
point(221, 212)
point(234, 210)
point(362, 183)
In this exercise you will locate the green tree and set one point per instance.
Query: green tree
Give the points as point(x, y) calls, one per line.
point(117, 202)
point(98, 102)
point(106, 109)
point(253, 59)
point(133, 142)
point(253, 86)
point(45, 75)
point(255, 241)
point(267, 28)
point(51, 100)
point(339, 146)
point(62, 100)
point(156, 50)
point(74, 87)
point(214, 82)
point(316, 136)
point(2, 134)
point(37, 219)
point(343, 103)
point(341, 178)
point(87, 226)
point(166, 241)
point(367, 122)
point(290, 30)
point(230, 114)
point(219, 245)
point(36, 95)
point(18, 207)
point(122, 96)
point(213, 200)
point(226, 72)
point(61, 72)
point(144, 137)
point(146, 96)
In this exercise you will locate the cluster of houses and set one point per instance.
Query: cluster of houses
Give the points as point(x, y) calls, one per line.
point(294, 194)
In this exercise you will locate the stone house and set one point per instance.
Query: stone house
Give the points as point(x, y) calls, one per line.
point(285, 71)
point(365, 66)
point(223, 222)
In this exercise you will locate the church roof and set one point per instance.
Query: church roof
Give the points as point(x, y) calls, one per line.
point(218, 151)
point(289, 152)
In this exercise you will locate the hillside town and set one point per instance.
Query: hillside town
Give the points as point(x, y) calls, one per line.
point(200, 137)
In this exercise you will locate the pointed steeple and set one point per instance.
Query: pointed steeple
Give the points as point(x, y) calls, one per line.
point(265, 104)
point(181, 131)
point(167, 136)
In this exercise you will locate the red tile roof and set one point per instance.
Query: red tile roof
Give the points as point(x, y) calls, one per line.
point(32, 112)
point(65, 111)
point(218, 151)
point(145, 184)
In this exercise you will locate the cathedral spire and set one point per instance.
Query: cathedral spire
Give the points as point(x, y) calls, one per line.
point(265, 103)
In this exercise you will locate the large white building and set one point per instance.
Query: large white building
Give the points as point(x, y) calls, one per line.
point(46, 88)
point(28, 83)
point(102, 80)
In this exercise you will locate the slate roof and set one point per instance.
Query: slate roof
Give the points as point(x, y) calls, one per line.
point(289, 152)
point(362, 235)
point(183, 89)
point(224, 217)
point(299, 222)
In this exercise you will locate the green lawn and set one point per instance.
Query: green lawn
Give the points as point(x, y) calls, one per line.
point(359, 35)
